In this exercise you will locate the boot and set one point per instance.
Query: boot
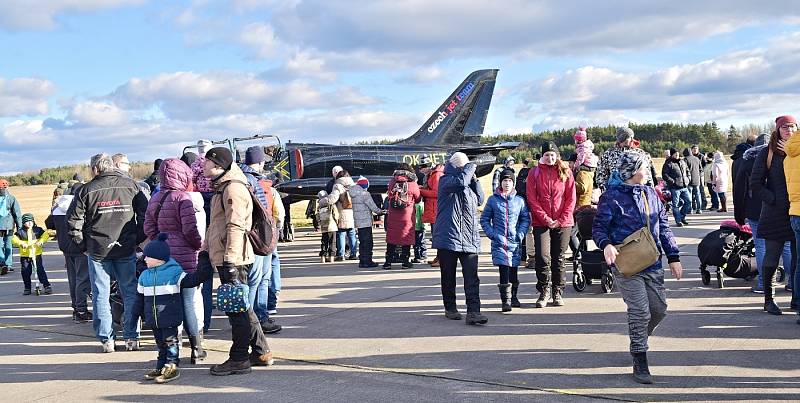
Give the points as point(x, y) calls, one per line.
point(505, 295)
point(196, 344)
point(475, 318)
point(641, 371)
point(557, 299)
point(231, 367)
point(544, 295)
point(514, 301)
point(769, 291)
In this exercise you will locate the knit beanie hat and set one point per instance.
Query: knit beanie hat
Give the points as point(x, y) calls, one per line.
point(580, 135)
point(322, 194)
point(785, 119)
point(506, 174)
point(363, 182)
point(335, 171)
point(623, 134)
point(254, 155)
point(220, 156)
point(672, 152)
point(762, 139)
point(629, 164)
point(157, 164)
point(548, 146)
point(158, 248)
point(459, 159)
point(27, 217)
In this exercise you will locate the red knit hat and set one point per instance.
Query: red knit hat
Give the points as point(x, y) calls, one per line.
point(580, 134)
point(785, 119)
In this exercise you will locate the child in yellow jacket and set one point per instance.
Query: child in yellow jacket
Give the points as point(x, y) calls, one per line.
point(29, 239)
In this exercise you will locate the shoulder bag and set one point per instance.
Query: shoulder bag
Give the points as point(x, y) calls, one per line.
point(639, 250)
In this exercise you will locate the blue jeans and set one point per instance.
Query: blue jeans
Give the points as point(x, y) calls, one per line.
point(681, 204)
point(254, 277)
point(696, 203)
point(258, 289)
point(350, 234)
point(168, 346)
point(100, 273)
point(6, 251)
point(192, 310)
point(274, 282)
point(420, 247)
point(206, 291)
point(761, 249)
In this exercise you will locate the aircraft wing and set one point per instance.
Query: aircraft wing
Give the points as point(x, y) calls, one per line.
point(307, 189)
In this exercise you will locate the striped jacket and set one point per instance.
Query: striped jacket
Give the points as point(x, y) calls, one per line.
point(159, 301)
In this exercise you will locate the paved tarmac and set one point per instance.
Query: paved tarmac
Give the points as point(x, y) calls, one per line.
point(353, 335)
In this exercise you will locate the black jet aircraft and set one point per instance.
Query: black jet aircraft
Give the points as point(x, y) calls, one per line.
point(455, 126)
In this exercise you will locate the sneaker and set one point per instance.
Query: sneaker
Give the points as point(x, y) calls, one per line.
point(26, 291)
point(678, 224)
point(684, 222)
point(108, 346)
point(153, 374)
point(82, 317)
point(368, 265)
point(416, 261)
point(452, 315)
point(387, 266)
point(131, 345)
point(270, 327)
point(407, 265)
point(757, 290)
point(48, 290)
point(262, 360)
point(322, 259)
point(475, 318)
point(169, 374)
point(272, 312)
point(353, 257)
point(231, 367)
point(338, 259)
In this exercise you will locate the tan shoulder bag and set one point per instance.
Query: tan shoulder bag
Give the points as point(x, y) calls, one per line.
point(639, 250)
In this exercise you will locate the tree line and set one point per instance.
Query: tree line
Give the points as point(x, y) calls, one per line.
point(51, 176)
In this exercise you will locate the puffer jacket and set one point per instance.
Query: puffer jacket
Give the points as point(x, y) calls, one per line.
point(791, 168)
point(738, 159)
point(159, 300)
point(253, 179)
point(770, 186)
point(30, 241)
point(720, 172)
point(401, 222)
point(621, 212)
point(457, 222)
point(328, 216)
point(177, 216)
point(549, 197)
point(430, 194)
point(106, 218)
point(231, 218)
point(341, 187)
point(505, 221)
point(675, 173)
point(747, 206)
point(584, 185)
point(199, 180)
point(363, 207)
point(10, 214)
point(58, 221)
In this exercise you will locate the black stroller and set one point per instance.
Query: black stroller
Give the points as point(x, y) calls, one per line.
point(115, 298)
point(588, 264)
point(732, 251)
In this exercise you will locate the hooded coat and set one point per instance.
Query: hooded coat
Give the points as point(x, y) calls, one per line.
point(231, 218)
point(177, 214)
point(505, 221)
point(401, 222)
point(549, 197)
point(430, 194)
point(337, 197)
point(747, 205)
point(737, 158)
point(720, 172)
point(770, 185)
point(363, 207)
point(457, 222)
point(621, 212)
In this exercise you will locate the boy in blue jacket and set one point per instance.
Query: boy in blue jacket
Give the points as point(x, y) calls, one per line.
point(505, 220)
point(161, 304)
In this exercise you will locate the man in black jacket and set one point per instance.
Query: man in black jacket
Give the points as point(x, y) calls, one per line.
point(75, 261)
point(695, 179)
point(676, 175)
point(106, 220)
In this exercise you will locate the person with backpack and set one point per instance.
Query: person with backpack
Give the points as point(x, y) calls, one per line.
point(260, 276)
point(403, 194)
point(231, 252)
point(508, 163)
point(430, 195)
point(327, 215)
point(363, 209)
point(551, 198)
point(172, 211)
point(505, 221)
point(344, 204)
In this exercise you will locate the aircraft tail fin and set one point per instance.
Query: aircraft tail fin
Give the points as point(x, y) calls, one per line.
point(462, 116)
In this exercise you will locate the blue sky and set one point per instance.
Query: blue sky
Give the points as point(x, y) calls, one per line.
point(82, 76)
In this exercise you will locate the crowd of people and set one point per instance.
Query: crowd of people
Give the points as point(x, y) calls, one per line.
point(159, 241)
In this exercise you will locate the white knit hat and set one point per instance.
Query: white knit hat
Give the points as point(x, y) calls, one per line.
point(335, 171)
point(459, 159)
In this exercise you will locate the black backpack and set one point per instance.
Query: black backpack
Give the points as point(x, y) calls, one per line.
point(263, 235)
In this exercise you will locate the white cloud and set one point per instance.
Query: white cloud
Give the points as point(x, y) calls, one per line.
point(41, 14)
point(260, 38)
point(24, 96)
point(94, 113)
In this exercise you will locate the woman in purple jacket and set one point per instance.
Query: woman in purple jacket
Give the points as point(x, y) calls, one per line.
point(172, 211)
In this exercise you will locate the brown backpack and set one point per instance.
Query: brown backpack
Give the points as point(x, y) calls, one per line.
point(263, 235)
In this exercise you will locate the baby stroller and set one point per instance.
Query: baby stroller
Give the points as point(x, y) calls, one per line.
point(731, 250)
point(588, 264)
point(115, 297)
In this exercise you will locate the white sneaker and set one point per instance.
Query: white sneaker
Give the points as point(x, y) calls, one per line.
point(108, 346)
point(273, 312)
point(132, 345)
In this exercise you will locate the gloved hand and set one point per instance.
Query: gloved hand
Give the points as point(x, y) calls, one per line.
point(227, 273)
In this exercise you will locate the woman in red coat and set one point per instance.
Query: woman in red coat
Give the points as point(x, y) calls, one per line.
point(403, 194)
point(430, 194)
point(551, 199)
